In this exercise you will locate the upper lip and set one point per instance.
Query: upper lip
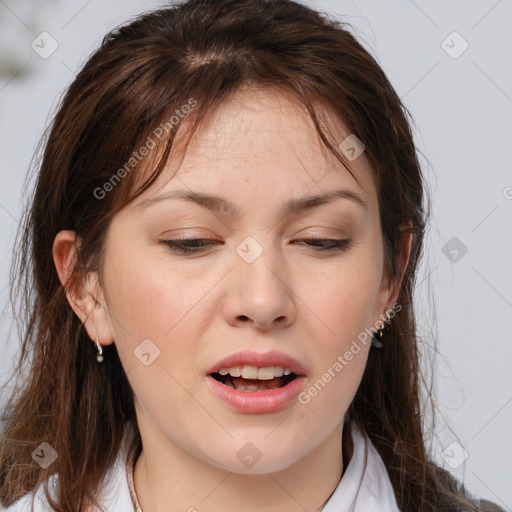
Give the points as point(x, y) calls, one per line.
point(261, 360)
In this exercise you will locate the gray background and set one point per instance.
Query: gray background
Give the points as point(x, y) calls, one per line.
point(462, 105)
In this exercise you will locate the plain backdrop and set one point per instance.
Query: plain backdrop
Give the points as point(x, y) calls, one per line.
point(450, 63)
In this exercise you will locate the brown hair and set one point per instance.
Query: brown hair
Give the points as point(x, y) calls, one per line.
point(142, 73)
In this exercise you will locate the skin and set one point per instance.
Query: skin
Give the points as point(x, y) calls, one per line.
point(257, 150)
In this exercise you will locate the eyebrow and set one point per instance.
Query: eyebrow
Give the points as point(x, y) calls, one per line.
point(291, 207)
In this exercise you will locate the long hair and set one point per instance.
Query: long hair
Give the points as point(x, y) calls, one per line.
point(199, 53)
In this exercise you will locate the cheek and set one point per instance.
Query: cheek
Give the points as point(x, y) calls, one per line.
point(346, 315)
point(345, 297)
point(157, 311)
point(344, 301)
point(149, 299)
point(331, 388)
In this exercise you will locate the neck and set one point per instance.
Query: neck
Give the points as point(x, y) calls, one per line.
point(172, 475)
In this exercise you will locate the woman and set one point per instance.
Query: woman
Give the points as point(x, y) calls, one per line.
point(224, 239)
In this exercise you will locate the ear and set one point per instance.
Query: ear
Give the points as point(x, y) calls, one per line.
point(390, 291)
point(86, 298)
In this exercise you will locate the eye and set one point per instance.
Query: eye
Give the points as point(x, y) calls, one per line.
point(189, 245)
point(196, 245)
point(328, 244)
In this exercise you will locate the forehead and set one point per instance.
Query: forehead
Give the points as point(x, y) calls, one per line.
point(265, 140)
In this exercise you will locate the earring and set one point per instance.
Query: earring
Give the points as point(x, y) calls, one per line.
point(377, 337)
point(99, 356)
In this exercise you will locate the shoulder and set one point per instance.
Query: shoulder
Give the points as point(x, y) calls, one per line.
point(459, 498)
point(480, 504)
point(456, 497)
point(483, 506)
point(34, 501)
point(489, 506)
point(115, 494)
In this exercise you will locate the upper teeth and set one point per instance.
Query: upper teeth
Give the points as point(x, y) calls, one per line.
point(253, 372)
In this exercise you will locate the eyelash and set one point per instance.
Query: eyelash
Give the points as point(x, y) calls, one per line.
point(177, 246)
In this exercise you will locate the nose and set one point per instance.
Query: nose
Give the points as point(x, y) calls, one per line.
point(260, 294)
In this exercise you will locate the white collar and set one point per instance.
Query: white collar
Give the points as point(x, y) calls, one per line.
point(364, 487)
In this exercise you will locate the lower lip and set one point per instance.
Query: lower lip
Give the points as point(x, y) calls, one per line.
point(256, 402)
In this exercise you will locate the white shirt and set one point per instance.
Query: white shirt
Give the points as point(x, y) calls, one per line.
point(361, 489)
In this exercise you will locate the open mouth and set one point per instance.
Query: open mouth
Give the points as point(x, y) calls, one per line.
point(243, 384)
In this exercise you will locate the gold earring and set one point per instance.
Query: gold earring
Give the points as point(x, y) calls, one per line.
point(377, 337)
point(99, 356)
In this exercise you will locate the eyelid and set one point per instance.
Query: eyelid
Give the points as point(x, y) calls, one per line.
point(177, 246)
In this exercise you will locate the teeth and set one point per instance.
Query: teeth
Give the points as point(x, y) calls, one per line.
point(266, 373)
point(249, 372)
point(234, 371)
point(253, 372)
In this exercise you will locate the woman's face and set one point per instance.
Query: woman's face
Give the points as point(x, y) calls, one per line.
point(257, 287)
